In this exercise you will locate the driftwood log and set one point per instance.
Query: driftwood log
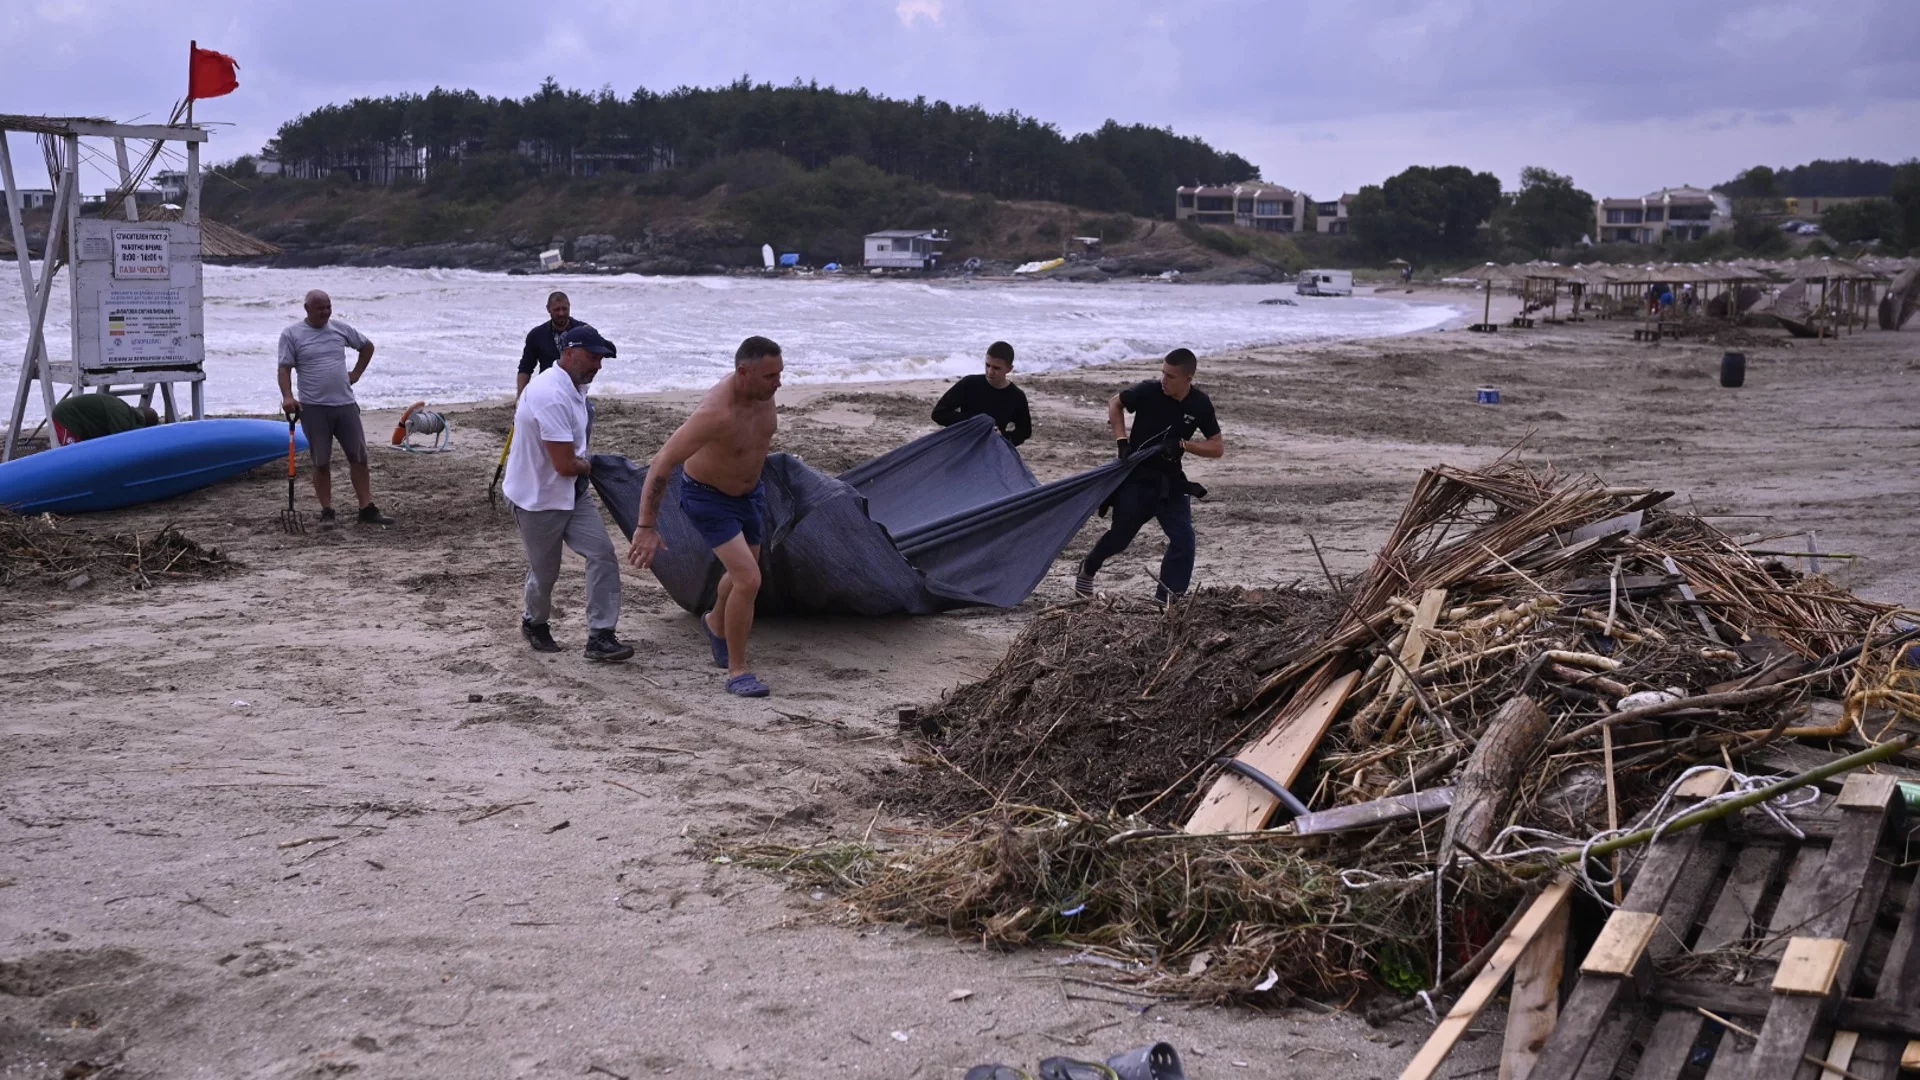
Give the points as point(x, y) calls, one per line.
point(1484, 791)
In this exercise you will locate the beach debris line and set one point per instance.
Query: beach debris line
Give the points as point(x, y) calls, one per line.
point(1557, 652)
point(44, 551)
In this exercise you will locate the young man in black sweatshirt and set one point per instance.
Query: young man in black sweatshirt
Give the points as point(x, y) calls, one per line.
point(1167, 413)
point(990, 394)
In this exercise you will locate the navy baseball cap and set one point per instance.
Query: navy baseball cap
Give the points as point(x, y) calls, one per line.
point(586, 337)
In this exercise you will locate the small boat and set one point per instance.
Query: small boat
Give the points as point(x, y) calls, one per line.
point(1039, 267)
point(141, 466)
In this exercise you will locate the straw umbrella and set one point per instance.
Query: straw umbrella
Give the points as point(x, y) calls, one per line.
point(1487, 275)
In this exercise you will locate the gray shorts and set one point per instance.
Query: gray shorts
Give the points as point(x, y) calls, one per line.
point(325, 423)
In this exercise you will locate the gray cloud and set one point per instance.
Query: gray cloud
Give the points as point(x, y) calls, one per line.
point(1321, 96)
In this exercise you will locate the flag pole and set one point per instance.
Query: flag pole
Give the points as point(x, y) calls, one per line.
point(193, 46)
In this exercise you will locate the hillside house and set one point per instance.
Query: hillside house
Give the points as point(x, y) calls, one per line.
point(903, 249)
point(1331, 217)
point(35, 198)
point(1252, 205)
point(1678, 213)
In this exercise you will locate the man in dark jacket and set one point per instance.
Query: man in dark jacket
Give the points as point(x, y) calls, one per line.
point(89, 416)
point(990, 394)
point(1167, 413)
point(543, 341)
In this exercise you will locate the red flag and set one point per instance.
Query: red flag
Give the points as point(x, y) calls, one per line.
point(210, 74)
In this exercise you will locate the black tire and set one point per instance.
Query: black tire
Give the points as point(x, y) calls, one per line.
point(1733, 369)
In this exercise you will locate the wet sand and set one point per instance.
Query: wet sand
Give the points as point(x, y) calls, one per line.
point(513, 885)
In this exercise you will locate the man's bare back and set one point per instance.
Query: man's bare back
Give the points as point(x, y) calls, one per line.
point(738, 432)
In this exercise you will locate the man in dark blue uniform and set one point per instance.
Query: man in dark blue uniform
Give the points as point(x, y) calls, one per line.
point(543, 341)
point(1167, 413)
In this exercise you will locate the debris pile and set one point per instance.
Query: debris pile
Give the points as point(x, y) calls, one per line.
point(40, 552)
point(1530, 662)
point(1105, 705)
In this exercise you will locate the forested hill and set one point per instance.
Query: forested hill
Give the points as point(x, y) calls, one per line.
point(1847, 177)
point(554, 131)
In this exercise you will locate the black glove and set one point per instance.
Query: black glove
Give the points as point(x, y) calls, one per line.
point(1120, 446)
point(1171, 450)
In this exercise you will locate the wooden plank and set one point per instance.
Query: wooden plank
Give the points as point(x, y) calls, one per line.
point(1545, 907)
point(1732, 916)
point(1809, 966)
point(1839, 1053)
point(1623, 523)
point(1413, 652)
point(1377, 812)
point(1236, 804)
point(1866, 791)
point(1622, 941)
point(1852, 1013)
point(1593, 997)
point(1534, 1004)
point(1836, 896)
point(1701, 784)
point(1670, 1046)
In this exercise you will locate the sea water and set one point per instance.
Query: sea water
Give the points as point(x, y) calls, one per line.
point(448, 336)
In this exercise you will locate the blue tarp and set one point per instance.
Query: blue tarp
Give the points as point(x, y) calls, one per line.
point(952, 519)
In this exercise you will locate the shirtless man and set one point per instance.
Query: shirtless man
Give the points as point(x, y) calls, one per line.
point(722, 447)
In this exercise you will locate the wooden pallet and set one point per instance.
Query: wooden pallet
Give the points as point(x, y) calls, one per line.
point(1810, 945)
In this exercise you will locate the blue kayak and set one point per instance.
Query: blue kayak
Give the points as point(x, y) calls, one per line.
point(141, 466)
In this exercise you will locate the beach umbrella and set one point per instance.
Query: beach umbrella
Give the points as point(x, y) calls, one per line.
point(1487, 275)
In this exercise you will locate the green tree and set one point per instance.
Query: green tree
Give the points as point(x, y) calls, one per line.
point(1425, 213)
point(1868, 219)
point(1758, 182)
point(1906, 197)
point(1547, 212)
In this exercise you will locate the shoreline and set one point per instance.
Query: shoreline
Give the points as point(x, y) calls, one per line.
point(377, 400)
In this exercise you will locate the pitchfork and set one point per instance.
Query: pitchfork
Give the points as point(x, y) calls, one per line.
point(291, 519)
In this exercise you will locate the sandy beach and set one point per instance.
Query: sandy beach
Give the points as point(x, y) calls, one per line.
point(328, 814)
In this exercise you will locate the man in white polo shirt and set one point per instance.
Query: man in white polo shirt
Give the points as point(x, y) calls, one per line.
point(546, 481)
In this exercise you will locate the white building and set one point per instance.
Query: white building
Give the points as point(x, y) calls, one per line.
point(1677, 213)
point(904, 249)
point(1331, 217)
point(1252, 205)
point(35, 198)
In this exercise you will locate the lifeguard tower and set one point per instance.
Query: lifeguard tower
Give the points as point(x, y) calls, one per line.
point(134, 286)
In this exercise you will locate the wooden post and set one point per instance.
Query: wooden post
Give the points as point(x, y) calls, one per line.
point(1487, 782)
point(36, 362)
point(126, 179)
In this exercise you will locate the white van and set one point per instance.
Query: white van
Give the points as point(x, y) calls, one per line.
point(1324, 283)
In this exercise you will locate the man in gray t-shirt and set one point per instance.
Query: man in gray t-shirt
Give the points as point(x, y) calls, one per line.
point(316, 348)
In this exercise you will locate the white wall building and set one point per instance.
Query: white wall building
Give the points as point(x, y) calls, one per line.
point(903, 249)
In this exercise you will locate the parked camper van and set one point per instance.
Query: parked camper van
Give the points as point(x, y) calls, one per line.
point(1324, 283)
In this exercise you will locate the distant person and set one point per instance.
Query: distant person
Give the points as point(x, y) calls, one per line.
point(989, 395)
point(723, 447)
point(546, 481)
point(1687, 299)
point(1666, 300)
point(90, 416)
point(1167, 413)
point(542, 349)
point(1406, 274)
point(316, 348)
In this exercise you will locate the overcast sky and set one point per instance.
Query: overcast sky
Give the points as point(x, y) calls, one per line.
point(1322, 96)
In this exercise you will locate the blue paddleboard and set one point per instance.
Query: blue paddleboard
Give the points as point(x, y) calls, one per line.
point(141, 466)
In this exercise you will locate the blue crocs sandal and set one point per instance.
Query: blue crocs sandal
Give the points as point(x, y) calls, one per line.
point(747, 685)
point(719, 644)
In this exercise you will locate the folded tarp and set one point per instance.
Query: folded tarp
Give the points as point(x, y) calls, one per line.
point(953, 519)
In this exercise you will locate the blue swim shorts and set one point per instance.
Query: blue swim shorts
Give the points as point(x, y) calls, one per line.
point(718, 516)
